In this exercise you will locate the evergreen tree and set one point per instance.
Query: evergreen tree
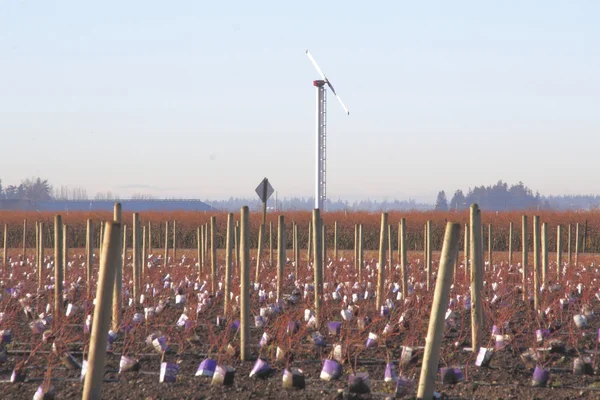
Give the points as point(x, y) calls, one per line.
point(441, 203)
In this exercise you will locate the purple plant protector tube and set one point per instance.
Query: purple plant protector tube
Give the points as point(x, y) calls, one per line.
point(168, 372)
point(331, 370)
point(261, 369)
point(207, 368)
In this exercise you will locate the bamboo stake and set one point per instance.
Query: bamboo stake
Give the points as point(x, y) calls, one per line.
point(381, 266)
point(402, 256)
point(213, 254)
point(281, 240)
point(58, 271)
point(476, 277)
point(438, 309)
point(244, 284)
point(318, 263)
point(228, 250)
point(536, 261)
point(109, 260)
point(525, 254)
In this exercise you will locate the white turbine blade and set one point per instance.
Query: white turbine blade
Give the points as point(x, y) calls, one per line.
point(310, 57)
point(338, 97)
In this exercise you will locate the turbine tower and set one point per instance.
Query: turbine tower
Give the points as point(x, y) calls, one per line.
point(321, 167)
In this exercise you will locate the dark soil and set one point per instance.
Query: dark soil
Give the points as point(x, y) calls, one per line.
point(507, 376)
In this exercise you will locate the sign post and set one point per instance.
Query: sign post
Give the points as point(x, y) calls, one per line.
point(264, 190)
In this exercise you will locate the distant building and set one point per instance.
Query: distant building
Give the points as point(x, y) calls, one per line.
point(105, 205)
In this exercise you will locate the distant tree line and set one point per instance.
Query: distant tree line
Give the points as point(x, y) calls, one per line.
point(501, 196)
point(496, 197)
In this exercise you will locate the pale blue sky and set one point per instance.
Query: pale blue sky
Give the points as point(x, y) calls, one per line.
point(203, 99)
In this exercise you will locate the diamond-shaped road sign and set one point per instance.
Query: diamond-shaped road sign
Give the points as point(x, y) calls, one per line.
point(260, 190)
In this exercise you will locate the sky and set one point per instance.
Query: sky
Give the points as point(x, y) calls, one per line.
point(199, 99)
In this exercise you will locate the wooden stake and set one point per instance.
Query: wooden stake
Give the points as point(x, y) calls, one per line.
point(117, 297)
point(228, 264)
point(297, 251)
point(149, 237)
point(360, 251)
point(476, 277)
point(525, 254)
point(569, 250)
point(381, 267)
point(389, 244)
point(402, 256)
point(335, 241)
point(490, 248)
point(166, 263)
point(466, 253)
point(65, 251)
point(89, 254)
point(281, 241)
point(510, 244)
point(25, 240)
point(213, 254)
point(136, 257)
point(429, 253)
point(536, 261)
point(42, 251)
point(558, 252)
point(318, 263)
point(544, 254)
point(577, 244)
point(244, 284)
point(58, 271)
point(438, 309)
point(5, 256)
point(324, 242)
point(270, 243)
point(109, 259)
point(175, 242)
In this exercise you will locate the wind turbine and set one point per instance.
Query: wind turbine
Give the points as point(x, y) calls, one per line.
point(321, 168)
